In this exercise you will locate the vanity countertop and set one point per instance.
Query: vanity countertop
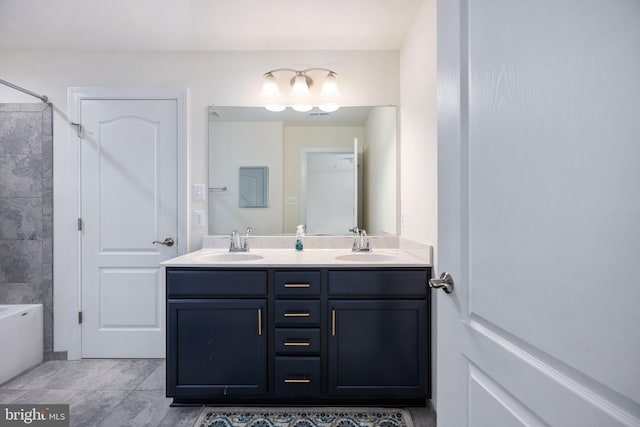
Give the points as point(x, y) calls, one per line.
point(278, 258)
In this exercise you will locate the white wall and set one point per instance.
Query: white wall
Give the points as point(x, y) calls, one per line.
point(380, 163)
point(222, 78)
point(418, 115)
point(244, 144)
point(418, 147)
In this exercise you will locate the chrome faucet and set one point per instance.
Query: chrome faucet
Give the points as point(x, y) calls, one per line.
point(246, 238)
point(360, 240)
point(236, 241)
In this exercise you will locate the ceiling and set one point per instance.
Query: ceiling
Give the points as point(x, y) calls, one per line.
point(205, 25)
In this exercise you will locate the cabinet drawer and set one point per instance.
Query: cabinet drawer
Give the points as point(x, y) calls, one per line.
point(204, 283)
point(297, 312)
point(297, 283)
point(297, 376)
point(297, 341)
point(378, 283)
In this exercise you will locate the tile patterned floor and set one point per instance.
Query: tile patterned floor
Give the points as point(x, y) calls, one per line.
point(116, 392)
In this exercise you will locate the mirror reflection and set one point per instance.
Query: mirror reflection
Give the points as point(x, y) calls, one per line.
point(254, 187)
point(328, 171)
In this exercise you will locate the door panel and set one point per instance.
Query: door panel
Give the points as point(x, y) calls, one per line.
point(129, 200)
point(129, 176)
point(538, 207)
point(492, 405)
point(141, 307)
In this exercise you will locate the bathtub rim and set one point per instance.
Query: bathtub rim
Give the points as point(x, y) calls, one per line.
point(13, 309)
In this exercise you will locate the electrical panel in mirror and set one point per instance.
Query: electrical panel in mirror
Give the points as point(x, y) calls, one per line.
point(254, 187)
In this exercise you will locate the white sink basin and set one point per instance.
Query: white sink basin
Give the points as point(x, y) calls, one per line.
point(366, 257)
point(228, 257)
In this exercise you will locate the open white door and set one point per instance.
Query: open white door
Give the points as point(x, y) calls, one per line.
point(539, 211)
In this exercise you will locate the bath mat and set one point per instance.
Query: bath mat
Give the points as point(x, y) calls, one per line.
point(303, 417)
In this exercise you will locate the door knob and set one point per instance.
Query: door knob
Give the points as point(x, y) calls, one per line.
point(167, 242)
point(445, 282)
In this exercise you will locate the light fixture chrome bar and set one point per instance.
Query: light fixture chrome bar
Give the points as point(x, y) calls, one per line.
point(44, 98)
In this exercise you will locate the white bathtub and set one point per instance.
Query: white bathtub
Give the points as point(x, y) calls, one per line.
point(21, 339)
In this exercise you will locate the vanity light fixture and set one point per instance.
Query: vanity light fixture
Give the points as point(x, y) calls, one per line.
point(301, 97)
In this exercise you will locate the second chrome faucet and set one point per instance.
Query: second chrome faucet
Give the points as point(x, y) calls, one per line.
point(360, 240)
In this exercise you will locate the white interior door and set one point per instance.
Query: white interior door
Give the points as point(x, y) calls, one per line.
point(539, 206)
point(128, 200)
point(329, 188)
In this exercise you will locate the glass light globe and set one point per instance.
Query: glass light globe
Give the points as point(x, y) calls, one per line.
point(270, 86)
point(330, 86)
point(271, 94)
point(300, 85)
point(330, 94)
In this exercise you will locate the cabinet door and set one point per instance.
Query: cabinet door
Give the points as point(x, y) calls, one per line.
point(216, 348)
point(377, 348)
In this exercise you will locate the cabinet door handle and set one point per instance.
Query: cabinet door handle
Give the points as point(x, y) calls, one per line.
point(296, 344)
point(333, 322)
point(299, 381)
point(297, 314)
point(297, 285)
point(259, 321)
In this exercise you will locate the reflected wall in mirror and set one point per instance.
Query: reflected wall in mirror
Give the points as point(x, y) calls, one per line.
point(310, 157)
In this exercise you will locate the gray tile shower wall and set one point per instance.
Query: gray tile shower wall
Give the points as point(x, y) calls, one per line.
point(26, 209)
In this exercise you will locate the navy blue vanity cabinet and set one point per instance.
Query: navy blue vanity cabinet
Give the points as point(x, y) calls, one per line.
point(216, 334)
point(298, 335)
point(378, 344)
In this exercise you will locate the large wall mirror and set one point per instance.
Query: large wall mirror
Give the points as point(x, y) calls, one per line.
point(328, 171)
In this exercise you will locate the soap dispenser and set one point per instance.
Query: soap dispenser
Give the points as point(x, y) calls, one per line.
point(300, 238)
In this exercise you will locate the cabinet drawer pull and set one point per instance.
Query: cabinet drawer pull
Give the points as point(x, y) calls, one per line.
point(296, 344)
point(259, 321)
point(303, 381)
point(297, 285)
point(297, 314)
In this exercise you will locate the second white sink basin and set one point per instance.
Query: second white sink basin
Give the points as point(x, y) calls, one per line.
point(228, 257)
point(366, 257)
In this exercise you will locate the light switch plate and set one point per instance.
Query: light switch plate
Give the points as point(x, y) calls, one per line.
point(292, 200)
point(199, 218)
point(197, 192)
